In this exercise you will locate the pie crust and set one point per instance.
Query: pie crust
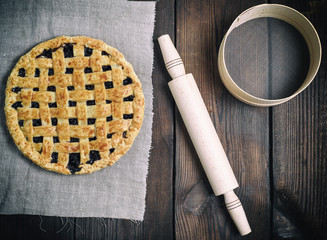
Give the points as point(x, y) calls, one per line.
point(74, 105)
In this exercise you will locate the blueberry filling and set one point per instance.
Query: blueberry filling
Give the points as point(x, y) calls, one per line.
point(50, 72)
point(111, 150)
point(73, 121)
point(36, 89)
point(109, 135)
point(69, 70)
point(72, 103)
point(88, 70)
point(73, 163)
point(91, 121)
point(21, 72)
point(55, 139)
point(89, 87)
point(70, 88)
point(52, 105)
point(54, 121)
point(109, 118)
point(40, 151)
point(68, 50)
point(108, 85)
point(38, 139)
point(35, 105)
point(17, 105)
point(94, 156)
point(90, 102)
point(129, 98)
point(127, 81)
point(16, 89)
point(21, 123)
point(74, 139)
point(92, 139)
point(105, 53)
point(51, 88)
point(88, 51)
point(128, 116)
point(47, 53)
point(37, 72)
point(54, 157)
point(106, 68)
point(124, 134)
point(108, 101)
point(37, 122)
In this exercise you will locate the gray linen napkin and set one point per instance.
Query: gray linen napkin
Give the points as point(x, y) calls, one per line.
point(117, 191)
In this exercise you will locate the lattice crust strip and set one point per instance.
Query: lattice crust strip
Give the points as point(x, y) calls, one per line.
point(74, 105)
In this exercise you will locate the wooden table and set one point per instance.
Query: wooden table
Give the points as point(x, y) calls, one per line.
point(278, 154)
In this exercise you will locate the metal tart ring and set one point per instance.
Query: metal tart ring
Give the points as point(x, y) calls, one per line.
point(289, 15)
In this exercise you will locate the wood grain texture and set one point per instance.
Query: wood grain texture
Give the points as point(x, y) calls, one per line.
point(243, 131)
point(159, 215)
point(299, 153)
point(36, 227)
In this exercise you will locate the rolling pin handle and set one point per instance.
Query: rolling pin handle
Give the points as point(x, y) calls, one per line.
point(236, 211)
point(172, 59)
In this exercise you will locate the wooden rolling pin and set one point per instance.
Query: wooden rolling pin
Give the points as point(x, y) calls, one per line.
point(203, 133)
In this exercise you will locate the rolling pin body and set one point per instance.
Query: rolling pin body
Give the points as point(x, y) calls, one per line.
point(203, 134)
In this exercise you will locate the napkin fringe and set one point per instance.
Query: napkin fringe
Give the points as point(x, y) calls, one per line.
point(69, 223)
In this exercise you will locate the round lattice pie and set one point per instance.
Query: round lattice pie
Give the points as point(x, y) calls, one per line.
point(74, 105)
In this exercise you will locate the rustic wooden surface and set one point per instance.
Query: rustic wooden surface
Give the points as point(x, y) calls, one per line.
point(278, 154)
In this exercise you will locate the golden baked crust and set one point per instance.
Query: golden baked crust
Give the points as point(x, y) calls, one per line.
point(74, 105)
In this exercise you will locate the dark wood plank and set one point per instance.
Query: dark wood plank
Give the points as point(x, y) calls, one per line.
point(159, 213)
point(243, 131)
point(35, 227)
point(95, 228)
point(299, 153)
